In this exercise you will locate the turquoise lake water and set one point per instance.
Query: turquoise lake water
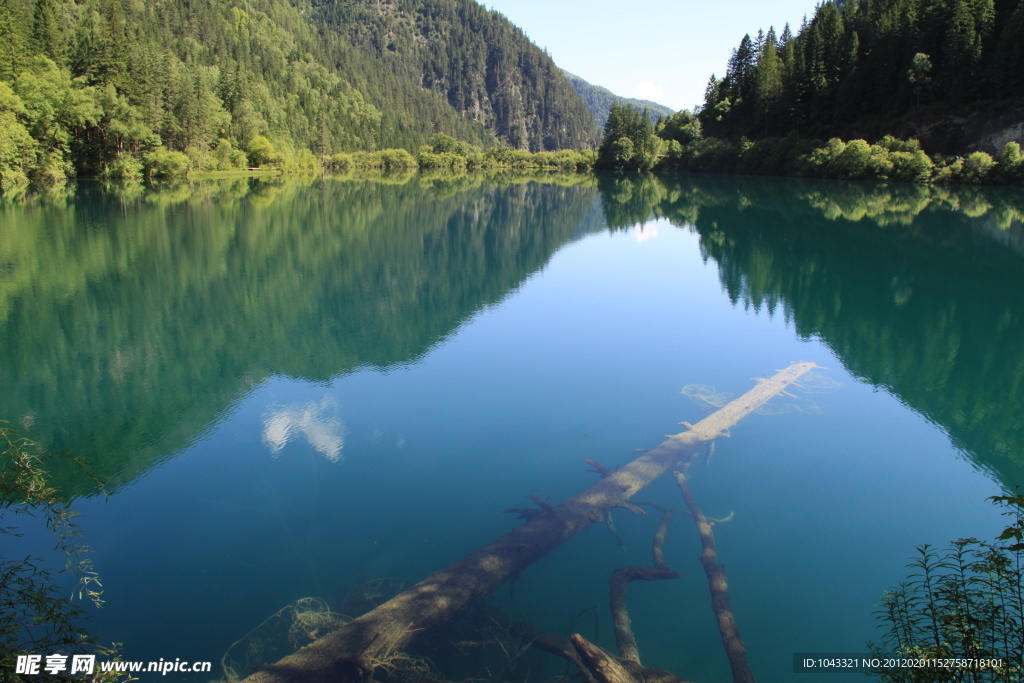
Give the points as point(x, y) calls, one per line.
point(295, 388)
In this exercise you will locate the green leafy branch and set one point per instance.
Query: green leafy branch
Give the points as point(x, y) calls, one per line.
point(1014, 531)
point(35, 616)
point(964, 602)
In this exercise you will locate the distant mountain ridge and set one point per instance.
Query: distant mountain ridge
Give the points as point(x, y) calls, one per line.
point(599, 100)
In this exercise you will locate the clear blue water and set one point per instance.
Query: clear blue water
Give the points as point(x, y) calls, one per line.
point(296, 389)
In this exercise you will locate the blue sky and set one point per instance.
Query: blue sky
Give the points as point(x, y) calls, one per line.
point(656, 49)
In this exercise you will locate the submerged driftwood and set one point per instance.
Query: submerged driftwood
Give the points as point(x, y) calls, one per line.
point(599, 665)
point(352, 652)
point(620, 580)
point(735, 650)
point(595, 664)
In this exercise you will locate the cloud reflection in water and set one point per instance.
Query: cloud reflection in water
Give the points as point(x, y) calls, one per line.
point(320, 423)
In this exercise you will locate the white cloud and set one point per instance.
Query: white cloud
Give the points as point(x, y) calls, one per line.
point(646, 90)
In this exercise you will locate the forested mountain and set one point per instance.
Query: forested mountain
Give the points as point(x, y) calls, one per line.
point(106, 86)
point(600, 100)
point(871, 63)
point(485, 67)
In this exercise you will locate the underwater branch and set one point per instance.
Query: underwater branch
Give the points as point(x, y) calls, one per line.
point(735, 650)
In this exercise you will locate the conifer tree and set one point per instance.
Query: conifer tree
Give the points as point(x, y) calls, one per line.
point(786, 37)
point(46, 31)
point(768, 82)
point(962, 51)
point(740, 69)
point(848, 93)
point(629, 141)
point(1010, 53)
point(113, 64)
point(712, 92)
point(11, 43)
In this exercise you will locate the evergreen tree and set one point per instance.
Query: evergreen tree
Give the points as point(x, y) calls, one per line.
point(1010, 53)
point(848, 92)
point(712, 92)
point(768, 82)
point(829, 62)
point(112, 57)
point(962, 52)
point(46, 31)
point(787, 36)
point(629, 142)
point(11, 43)
point(757, 44)
point(740, 69)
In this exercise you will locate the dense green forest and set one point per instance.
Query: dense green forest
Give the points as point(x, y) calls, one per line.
point(118, 87)
point(870, 62)
point(599, 101)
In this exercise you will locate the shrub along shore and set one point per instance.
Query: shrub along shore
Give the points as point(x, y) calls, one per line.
point(446, 153)
point(632, 142)
point(888, 160)
point(260, 153)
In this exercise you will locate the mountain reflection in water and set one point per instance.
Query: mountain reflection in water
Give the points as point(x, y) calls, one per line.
point(359, 374)
point(204, 290)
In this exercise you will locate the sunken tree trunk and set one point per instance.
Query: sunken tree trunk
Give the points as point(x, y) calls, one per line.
point(352, 652)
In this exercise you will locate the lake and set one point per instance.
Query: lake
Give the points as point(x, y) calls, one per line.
point(331, 387)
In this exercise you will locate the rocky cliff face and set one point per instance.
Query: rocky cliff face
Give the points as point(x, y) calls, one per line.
point(981, 131)
point(984, 133)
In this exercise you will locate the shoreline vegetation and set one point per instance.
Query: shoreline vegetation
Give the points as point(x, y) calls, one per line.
point(631, 142)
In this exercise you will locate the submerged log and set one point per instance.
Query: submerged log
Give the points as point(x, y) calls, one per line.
point(602, 667)
point(620, 580)
point(352, 652)
point(735, 650)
